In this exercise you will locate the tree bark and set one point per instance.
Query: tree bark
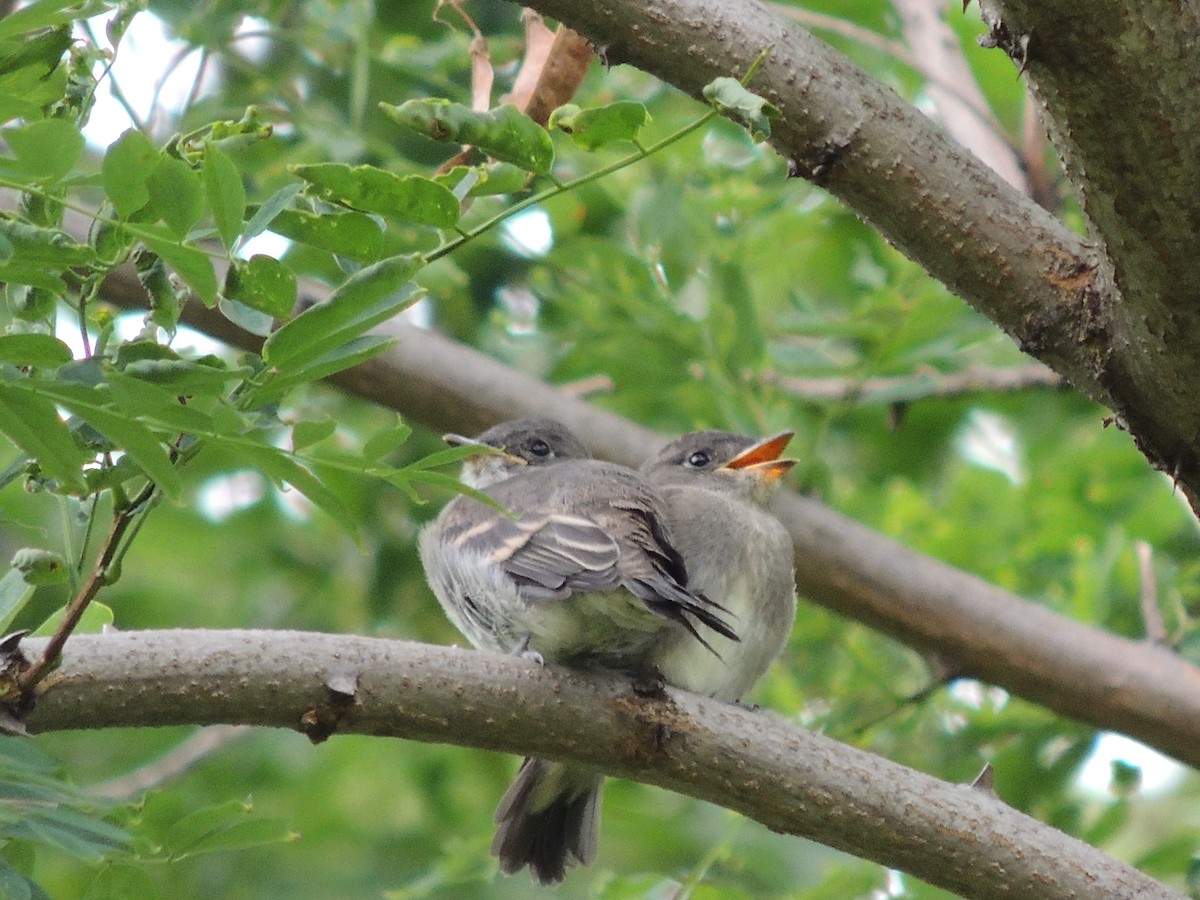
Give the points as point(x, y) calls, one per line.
point(959, 837)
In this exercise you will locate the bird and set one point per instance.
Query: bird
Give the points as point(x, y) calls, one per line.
point(521, 442)
point(715, 487)
point(582, 573)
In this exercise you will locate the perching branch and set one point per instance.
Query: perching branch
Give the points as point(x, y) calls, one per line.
point(789, 779)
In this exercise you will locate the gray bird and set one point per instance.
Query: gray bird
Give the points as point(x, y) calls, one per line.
point(716, 486)
point(522, 442)
point(584, 574)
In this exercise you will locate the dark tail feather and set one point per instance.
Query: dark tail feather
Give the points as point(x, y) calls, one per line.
point(548, 818)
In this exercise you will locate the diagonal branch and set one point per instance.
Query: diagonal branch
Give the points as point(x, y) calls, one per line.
point(1053, 293)
point(789, 779)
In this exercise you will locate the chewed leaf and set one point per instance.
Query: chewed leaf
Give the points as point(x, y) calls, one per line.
point(594, 128)
point(367, 188)
point(503, 133)
point(731, 97)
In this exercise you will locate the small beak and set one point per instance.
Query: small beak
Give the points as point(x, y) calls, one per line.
point(485, 450)
point(762, 459)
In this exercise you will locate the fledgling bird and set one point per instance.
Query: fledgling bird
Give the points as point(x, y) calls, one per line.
point(715, 487)
point(522, 442)
point(584, 574)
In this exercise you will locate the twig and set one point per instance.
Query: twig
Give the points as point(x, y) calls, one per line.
point(123, 518)
point(864, 36)
point(179, 759)
point(960, 103)
point(919, 386)
point(1156, 628)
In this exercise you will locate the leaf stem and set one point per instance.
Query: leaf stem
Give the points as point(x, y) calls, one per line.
point(562, 188)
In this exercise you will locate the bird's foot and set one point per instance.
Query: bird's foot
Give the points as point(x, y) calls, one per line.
point(649, 684)
point(522, 650)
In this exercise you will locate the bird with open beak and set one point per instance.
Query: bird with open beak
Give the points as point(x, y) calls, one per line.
point(716, 487)
point(583, 573)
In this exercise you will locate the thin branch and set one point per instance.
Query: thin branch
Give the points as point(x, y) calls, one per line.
point(920, 386)
point(175, 762)
point(837, 25)
point(960, 104)
point(789, 779)
point(1156, 628)
point(123, 517)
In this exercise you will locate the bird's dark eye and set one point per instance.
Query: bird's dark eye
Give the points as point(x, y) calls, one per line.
point(699, 459)
point(539, 448)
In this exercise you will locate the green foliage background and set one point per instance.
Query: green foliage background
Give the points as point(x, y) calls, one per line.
point(698, 281)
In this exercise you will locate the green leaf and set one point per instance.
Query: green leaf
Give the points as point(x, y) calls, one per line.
point(34, 350)
point(305, 433)
point(503, 133)
point(38, 566)
point(226, 194)
point(127, 166)
point(13, 107)
point(196, 825)
point(15, 592)
point(184, 376)
point(80, 835)
point(32, 423)
point(94, 620)
point(730, 97)
point(253, 832)
point(47, 150)
point(594, 128)
point(384, 442)
point(347, 356)
point(176, 195)
point(352, 235)
point(45, 14)
point(369, 297)
point(125, 432)
point(14, 885)
point(154, 403)
point(121, 882)
point(32, 275)
point(193, 266)
point(262, 283)
point(411, 198)
point(55, 249)
point(266, 213)
point(281, 468)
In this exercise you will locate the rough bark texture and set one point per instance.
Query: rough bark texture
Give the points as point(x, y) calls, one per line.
point(956, 836)
point(1119, 84)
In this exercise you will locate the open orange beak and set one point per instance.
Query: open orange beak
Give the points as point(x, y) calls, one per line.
point(762, 459)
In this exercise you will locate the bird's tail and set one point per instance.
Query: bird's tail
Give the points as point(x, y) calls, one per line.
point(548, 817)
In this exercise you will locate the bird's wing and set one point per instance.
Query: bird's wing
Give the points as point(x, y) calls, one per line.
point(654, 571)
point(559, 553)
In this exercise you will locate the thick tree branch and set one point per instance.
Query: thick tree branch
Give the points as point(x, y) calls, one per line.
point(1118, 89)
point(789, 779)
point(988, 243)
point(1139, 688)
